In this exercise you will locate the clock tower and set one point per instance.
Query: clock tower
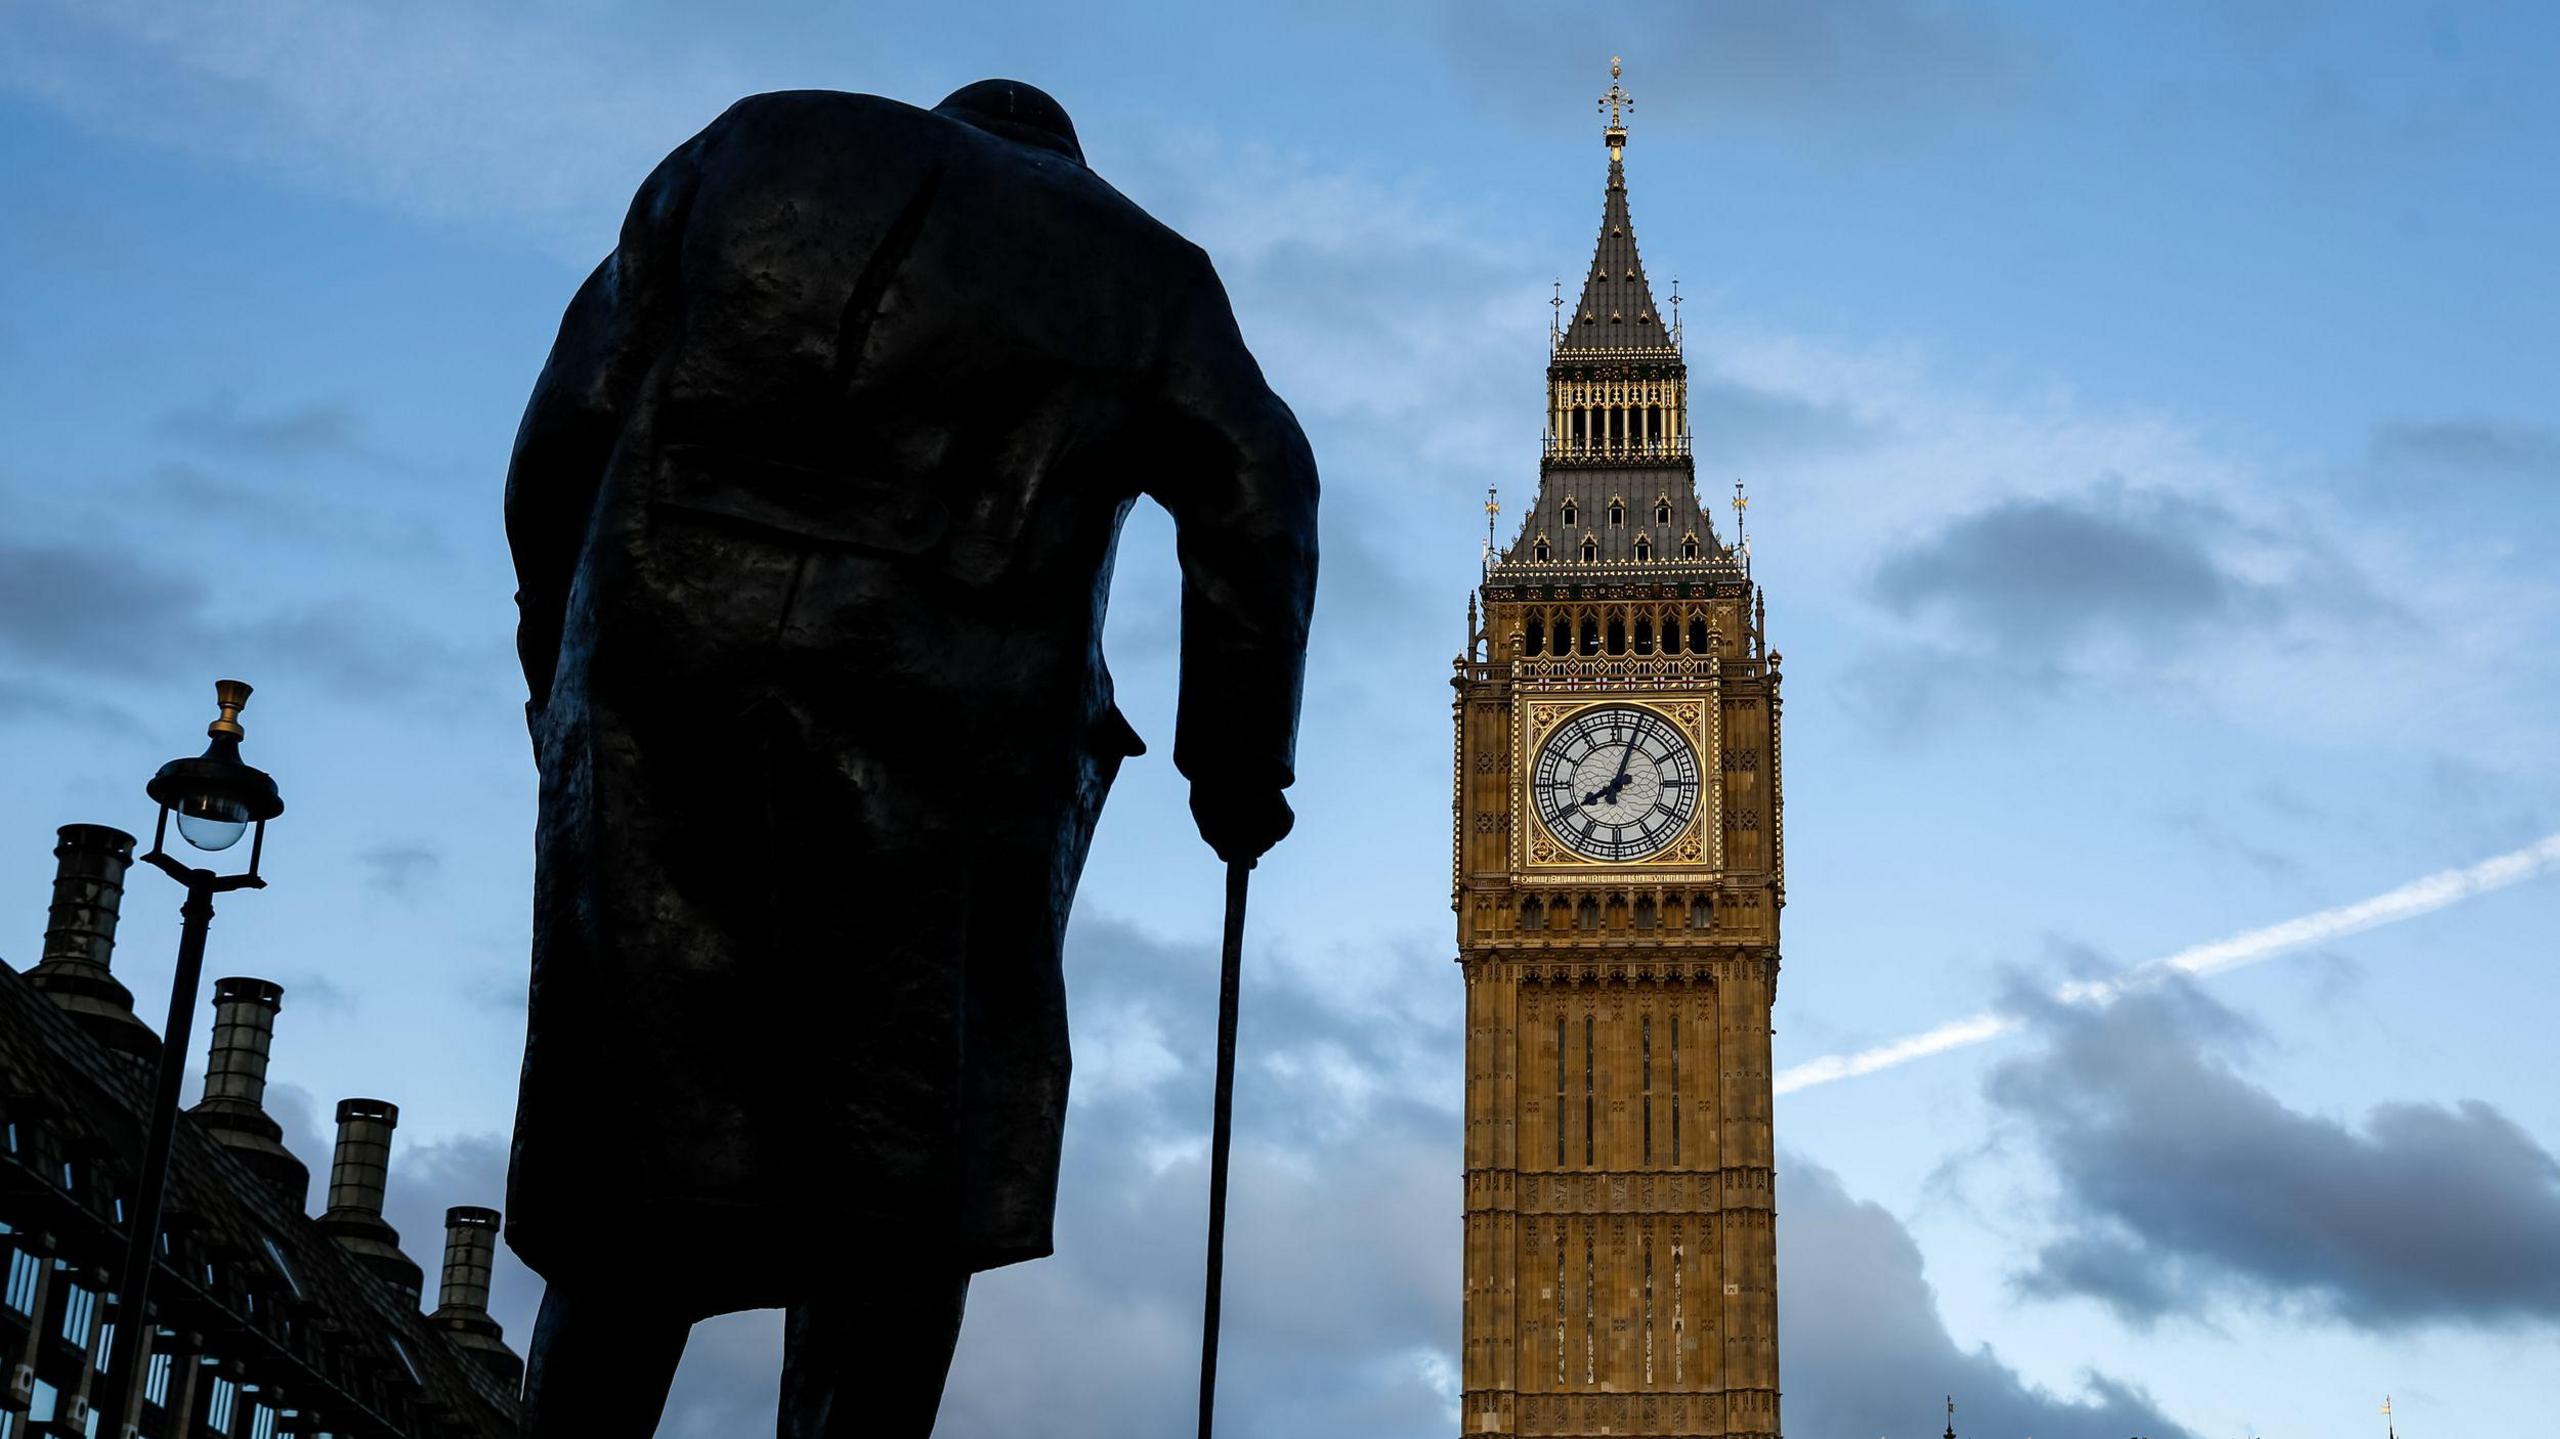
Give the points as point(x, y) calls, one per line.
point(1619, 874)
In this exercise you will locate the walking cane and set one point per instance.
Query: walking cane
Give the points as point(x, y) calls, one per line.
point(1230, 970)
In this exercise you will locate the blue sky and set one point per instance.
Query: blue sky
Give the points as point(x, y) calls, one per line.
point(2149, 413)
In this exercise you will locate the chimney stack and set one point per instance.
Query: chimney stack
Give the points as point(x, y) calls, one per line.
point(80, 939)
point(235, 1086)
point(357, 1176)
point(462, 1308)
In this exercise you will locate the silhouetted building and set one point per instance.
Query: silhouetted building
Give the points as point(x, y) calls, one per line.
point(271, 1324)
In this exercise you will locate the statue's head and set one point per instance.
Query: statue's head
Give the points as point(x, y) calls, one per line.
point(1017, 112)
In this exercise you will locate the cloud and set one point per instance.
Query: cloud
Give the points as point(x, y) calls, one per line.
point(2486, 446)
point(302, 432)
point(2105, 585)
point(2184, 1186)
point(2046, 574)
point(1865, 1351)
point(85, 608)
point(399, 869)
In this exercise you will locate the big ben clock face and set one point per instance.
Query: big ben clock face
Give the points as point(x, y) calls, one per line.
point(1616, 782)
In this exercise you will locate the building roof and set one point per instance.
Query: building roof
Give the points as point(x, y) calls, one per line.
point(356, 1349)
point(1616, 331)
point(1616, 311)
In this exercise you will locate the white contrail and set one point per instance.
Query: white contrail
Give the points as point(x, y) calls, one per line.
point(2417, 897)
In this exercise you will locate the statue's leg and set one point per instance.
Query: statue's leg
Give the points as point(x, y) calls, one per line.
point(870, 1362)
point(600, 1366)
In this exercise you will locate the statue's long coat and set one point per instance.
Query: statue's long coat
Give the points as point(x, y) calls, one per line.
point(813, 513)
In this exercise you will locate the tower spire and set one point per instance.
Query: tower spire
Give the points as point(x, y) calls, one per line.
point(1619, 104)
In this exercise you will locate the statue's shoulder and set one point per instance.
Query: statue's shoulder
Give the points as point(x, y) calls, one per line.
point(821, 113)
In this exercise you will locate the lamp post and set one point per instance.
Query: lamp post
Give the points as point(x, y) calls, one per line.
point(217, 799)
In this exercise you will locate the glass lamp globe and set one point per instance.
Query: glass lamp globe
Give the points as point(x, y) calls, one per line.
point(215, 796)
point(212, 821)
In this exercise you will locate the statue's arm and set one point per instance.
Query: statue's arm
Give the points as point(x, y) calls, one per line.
point(608, 339)
point(567, 436)
point(1240, 483)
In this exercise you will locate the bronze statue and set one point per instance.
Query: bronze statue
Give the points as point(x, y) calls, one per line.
point(813, 513)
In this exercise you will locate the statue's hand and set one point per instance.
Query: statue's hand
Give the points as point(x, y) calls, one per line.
point(1241, 823)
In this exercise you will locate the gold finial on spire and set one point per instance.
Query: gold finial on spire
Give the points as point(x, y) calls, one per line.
point(1492, 509)
point(1619, 104)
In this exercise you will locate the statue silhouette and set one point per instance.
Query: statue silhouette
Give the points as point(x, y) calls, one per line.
point(813, 512)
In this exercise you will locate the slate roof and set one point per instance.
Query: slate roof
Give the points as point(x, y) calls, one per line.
point(1616, 310)
point(326, 1330)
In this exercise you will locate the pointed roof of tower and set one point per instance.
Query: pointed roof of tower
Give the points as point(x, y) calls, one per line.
point(1616, 310)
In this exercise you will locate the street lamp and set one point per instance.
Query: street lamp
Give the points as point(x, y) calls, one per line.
point(216, 799)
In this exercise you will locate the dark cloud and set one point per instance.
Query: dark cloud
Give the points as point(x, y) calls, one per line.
point(399, 869)
point(1865, 1351)
point(2042, 575)
point(2489, 447)
point(88, 609)
point(2184, 1185)
point(1888, 72)
point(2047, 595)
point(301, 432)
point(275, 507)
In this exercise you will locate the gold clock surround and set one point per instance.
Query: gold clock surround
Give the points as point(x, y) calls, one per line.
point(1695, 854)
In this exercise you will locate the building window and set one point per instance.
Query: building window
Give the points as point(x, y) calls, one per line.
point(1559, 1139)
point(1533, 635)
point(1569, 513)
point(1675, 1091)
point(1590, 1105)
point(1617, 512)
point(1645, 1027)
point(1644, 549)
point(156, 1388)
point(262, 1421)
point(217, 1411)
point(1590, 551)
point(1689, 548)
point(25, 1272)
point(79, 1308)
point(1543, 553)
point(1662, 512)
